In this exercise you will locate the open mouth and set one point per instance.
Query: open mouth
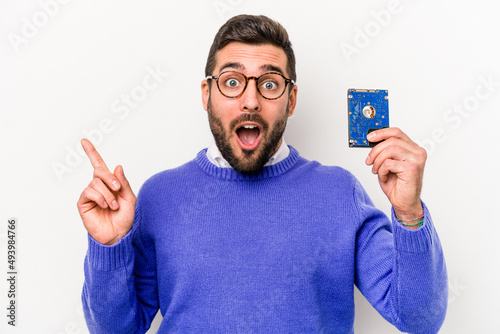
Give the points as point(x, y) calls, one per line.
point(249, 136)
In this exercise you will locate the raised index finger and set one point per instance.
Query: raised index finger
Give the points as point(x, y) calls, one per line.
point(94, 156)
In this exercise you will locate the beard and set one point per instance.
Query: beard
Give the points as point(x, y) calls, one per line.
point(251, 161)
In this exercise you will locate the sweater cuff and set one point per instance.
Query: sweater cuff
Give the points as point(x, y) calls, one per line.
point(106, 258)
point(414, 241)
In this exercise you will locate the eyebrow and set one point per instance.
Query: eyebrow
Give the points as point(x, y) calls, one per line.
point(241, 67)
point(272, 68)
point(237, 66)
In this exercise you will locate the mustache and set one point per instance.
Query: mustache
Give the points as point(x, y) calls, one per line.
point(257, 118)
point(246, 117)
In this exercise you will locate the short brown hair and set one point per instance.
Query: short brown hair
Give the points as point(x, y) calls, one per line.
point(254, 30)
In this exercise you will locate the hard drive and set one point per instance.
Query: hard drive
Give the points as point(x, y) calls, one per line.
point(368, 111)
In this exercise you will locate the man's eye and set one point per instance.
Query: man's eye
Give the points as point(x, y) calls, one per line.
point(269, 85)
point(232, 83)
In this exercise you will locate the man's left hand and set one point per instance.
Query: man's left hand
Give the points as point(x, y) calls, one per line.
point(399, 164)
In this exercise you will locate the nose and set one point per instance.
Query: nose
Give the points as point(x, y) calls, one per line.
point(250, 100)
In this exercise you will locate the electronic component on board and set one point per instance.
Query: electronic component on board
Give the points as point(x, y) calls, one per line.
point(368, 111)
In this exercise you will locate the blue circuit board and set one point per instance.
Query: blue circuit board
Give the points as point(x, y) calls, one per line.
point(368, 111)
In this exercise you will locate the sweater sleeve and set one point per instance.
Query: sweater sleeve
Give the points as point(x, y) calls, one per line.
point(400, 271)
point(120, 290)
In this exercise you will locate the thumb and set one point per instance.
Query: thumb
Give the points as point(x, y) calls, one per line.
point(125, 190)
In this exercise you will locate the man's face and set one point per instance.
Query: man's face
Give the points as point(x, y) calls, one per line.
point(248, 130)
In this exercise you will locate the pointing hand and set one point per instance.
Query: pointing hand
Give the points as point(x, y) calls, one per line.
point(107, 205)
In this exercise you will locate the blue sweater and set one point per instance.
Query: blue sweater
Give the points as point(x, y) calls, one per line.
point(279, 252)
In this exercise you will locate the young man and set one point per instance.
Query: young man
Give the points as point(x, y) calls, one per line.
point(251, 237)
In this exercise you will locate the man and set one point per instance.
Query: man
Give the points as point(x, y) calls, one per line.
point(251, 237)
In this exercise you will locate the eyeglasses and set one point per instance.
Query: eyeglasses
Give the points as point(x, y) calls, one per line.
point(270, 85)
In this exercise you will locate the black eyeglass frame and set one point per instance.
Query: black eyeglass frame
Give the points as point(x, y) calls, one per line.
point(247, 79)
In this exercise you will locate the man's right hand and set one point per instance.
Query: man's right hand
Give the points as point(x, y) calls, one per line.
point(107, 205)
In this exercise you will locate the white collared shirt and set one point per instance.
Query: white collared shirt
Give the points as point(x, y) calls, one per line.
point(215, 157)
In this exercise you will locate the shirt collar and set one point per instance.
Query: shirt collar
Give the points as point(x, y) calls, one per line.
point(215, 157)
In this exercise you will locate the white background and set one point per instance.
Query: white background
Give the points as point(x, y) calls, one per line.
point(63, 68)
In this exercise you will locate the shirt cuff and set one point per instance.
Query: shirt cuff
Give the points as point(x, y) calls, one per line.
point(414, 240)
point(106, 258)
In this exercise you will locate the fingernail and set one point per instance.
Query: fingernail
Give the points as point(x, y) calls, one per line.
point(114, 205)
point(116, 185)
point(371, 136)
point(367, 161)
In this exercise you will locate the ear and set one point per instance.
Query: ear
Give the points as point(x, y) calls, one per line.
point(205, 93)
point(292, 100)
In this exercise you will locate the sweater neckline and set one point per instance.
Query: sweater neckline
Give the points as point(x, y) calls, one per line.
point(230, 174)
